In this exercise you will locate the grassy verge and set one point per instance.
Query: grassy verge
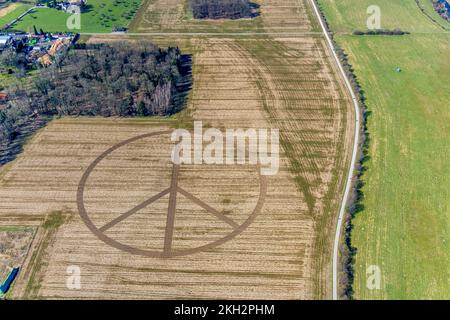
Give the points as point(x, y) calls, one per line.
point(403, 228)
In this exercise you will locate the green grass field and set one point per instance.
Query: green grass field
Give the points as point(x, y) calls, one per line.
point(10, 16)
point(404, 228)
point(101, 16)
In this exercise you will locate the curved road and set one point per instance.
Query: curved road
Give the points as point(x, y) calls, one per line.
point(348, 183)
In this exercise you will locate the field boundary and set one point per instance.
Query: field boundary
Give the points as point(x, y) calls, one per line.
point(349, 180)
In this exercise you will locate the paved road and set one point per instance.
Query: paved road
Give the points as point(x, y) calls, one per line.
point(348, 183)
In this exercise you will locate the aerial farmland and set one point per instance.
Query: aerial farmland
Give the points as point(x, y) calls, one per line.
point(95, 203)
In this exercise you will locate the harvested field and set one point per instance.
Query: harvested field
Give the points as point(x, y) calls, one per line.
point(239, 82)
point(403, 228)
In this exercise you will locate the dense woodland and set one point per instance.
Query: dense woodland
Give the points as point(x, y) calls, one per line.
point(100, 80)
point(223, 9)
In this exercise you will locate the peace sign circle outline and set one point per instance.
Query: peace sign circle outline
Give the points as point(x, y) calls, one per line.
point(170, 252)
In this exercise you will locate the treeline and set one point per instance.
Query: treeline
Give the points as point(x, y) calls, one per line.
point(223, 9)
point(385, 32)
point(100, 80)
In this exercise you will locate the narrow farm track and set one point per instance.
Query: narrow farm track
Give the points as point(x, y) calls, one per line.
point(280, 76)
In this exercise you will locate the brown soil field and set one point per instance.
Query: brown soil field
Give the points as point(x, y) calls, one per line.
point(252, 81)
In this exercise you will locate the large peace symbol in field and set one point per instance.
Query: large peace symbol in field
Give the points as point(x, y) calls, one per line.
point(172, 190)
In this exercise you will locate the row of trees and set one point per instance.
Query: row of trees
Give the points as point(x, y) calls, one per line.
point(100, 80)
point(223, 9)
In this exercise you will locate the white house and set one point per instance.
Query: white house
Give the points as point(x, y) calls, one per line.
point(4, 41)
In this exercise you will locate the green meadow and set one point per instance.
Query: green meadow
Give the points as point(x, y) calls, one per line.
point(404, 228)
point(101, 16)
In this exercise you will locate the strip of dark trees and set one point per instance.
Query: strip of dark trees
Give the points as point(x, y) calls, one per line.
point(223, 9)
point(97, 80)
point(384, 32)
